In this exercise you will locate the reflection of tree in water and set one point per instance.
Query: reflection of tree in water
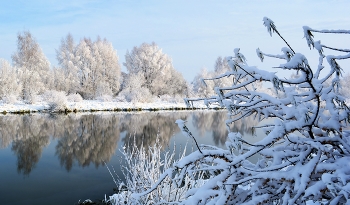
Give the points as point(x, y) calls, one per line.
point(211, 121)
point(28, 152)
point(215, 121)
point(93, 138)
point(143, 128)
point(87, 139)
point(30, 136)
point(8, 130)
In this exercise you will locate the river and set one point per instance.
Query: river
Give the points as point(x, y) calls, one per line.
point(60, 159)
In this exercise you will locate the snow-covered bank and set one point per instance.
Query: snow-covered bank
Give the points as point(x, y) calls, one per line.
point(95, 105)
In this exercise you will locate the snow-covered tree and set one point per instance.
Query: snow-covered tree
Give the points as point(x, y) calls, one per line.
point(10, 86)
point(221, 66)
point(304, 157)
point(133, 91)
point(66, 75)
point(32, 66)
point(345, 85)
point(90, 68)
point(202, 88)
point(156, 70)
point(109, 73)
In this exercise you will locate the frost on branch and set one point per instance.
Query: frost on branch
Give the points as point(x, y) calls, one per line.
point(305, 154)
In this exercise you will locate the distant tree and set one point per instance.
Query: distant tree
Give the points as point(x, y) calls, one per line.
point(60, 82)
point(10, 86)
point(156, 69)
point(345, 85)
point(133, 90)
point(202, 88)
point(221, 67)
point(177, 85)
point(85, 64)
point(66, 75)
point(90, 68)
point(108, 68)
point(32, 66)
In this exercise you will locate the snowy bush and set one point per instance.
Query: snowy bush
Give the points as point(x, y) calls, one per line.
point(105, 98)
point(171, 99)
point(9, 99)
point(74, 98)
point(141, 171)
point(133, 91)
point(305, 155)
point(141, 95)
point(56, 100)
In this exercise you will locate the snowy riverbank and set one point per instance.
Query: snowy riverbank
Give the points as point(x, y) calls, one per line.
point(95, 105)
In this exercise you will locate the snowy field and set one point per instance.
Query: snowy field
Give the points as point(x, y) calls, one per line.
point(94, 105)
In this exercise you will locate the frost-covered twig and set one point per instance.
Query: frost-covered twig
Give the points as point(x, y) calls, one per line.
point(305, 153)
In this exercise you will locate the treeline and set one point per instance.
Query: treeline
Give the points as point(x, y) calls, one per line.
point(88, 70)
point(92, 70)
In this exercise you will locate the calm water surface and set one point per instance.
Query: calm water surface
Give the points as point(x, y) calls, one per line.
point(59, 159)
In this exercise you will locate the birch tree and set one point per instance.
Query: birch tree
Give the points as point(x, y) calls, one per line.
point(66, 75)
point(156, 69)
point(90, 68)
point(10, 88)
point(32, 66)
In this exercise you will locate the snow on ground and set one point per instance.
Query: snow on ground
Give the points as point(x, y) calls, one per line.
point(95, 105)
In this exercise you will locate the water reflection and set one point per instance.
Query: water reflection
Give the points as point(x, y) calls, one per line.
point(142, 129)
point(28, 152)
point(86, 139)
point(211, 121)
point(30, 134)
point(215, 122)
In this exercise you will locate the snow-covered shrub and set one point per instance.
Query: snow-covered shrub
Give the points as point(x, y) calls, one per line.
point(171, 99)
point(9, 99)
point(105, 98)
point(141, 171)
point(134, 91)
point(31, 98)
point(57, 100)
point(305, 155)
point(136, 95)
point(120, 98)
point(74, 98)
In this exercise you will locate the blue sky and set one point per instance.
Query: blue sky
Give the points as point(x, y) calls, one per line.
point(192, 32)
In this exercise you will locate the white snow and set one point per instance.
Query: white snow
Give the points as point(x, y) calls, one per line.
point(95, 105)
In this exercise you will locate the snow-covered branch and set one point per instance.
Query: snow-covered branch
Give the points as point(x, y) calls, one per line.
point(304, 155)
